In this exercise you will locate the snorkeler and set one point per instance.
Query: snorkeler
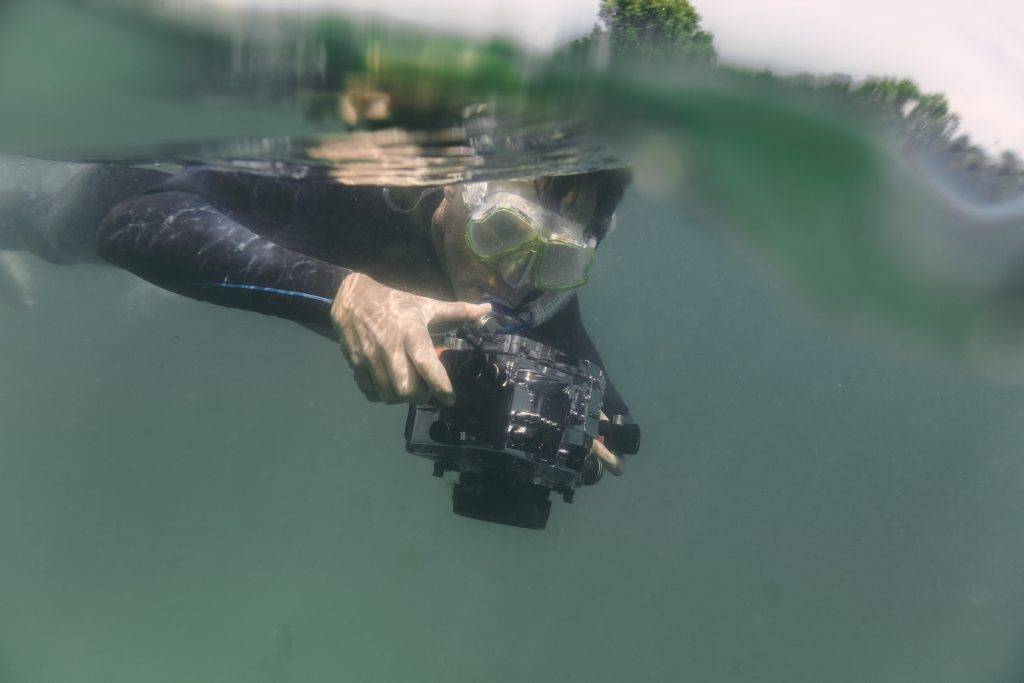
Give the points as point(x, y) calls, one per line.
point(370, 267)
point(345, 261)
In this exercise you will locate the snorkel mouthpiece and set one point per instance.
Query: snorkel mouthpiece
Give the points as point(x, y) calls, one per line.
point(504, 319)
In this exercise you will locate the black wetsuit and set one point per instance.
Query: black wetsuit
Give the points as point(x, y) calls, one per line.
point(280, 246)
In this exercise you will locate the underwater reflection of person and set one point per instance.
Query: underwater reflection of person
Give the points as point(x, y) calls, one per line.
point(375, 268)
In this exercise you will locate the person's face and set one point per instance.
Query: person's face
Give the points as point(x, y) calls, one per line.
point(473, 279)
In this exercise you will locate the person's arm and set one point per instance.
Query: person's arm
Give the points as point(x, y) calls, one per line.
point(178, 241)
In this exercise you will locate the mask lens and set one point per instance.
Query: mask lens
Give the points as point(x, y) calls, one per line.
point(563, 266)
point(498, 232)
point(515, 269)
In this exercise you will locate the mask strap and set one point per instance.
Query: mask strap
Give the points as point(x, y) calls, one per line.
point(389, 200)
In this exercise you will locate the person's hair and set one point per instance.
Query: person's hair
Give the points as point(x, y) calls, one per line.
point(559, 192)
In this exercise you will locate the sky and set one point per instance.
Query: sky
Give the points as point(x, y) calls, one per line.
point(972, 53)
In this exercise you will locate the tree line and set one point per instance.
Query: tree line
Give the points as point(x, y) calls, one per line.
point(632, 30)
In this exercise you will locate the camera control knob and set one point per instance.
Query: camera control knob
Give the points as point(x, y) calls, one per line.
point(495, 375)
point(622, 438)
point(592, 470)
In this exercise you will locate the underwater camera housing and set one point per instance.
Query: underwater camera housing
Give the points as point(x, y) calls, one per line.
point(522, 426)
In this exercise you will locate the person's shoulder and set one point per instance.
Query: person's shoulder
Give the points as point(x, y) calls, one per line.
point(317, 201)
point(228, 187)
point(221, 180)
point(192, 178)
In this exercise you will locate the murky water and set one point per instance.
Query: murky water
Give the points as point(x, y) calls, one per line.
point(831, 479)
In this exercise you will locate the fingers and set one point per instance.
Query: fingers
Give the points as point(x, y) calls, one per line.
point(390, 386)
point(421, 351)
point(406, 383)
point(350, 346)
point(383, 372)
point(365, 384)
point(455, 311)
point(379, 375)
point(384, 335)
point(420, 392)
point(409, 374)
point(612, 462)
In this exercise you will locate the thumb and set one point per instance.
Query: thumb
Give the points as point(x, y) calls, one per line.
point(456, 311)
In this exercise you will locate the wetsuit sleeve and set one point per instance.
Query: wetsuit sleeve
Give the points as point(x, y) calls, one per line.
point(565, 331)
point(177, 241)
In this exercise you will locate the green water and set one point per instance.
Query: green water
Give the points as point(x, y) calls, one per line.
point(181, 484)
point(829, 488)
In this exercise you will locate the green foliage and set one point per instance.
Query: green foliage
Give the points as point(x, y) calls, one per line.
point(926, 122)
point(926, 116)
point(646, 29)
point(660, 29)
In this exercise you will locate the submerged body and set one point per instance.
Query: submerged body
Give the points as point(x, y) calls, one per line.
point(276, 245)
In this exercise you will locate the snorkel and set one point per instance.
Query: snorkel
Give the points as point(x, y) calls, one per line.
point(505, 319)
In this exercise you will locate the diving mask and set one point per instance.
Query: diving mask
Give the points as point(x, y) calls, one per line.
point(525, 242)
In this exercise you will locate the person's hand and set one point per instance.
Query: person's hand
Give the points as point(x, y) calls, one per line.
point(384, 337)
point(612, 462)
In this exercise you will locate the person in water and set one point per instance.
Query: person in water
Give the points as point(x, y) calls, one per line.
point(372, 267)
